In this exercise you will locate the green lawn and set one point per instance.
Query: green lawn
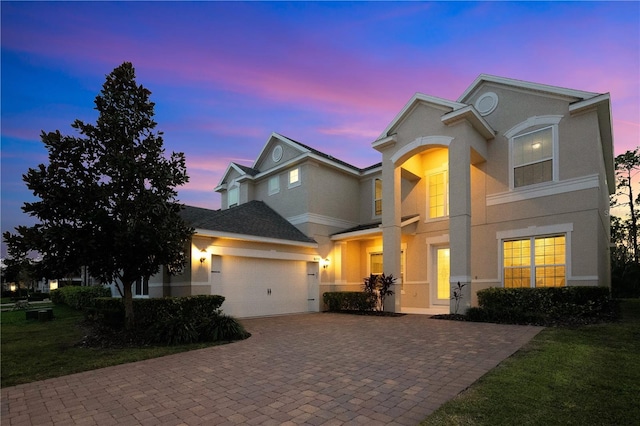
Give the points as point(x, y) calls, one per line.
point(33, 350)
point(565, 376)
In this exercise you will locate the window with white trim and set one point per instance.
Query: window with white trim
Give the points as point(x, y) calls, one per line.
point(438, 198)
point(377, 197)
point(535, 262)
point(274, 185)
point(232, 196)
point(376, 265)
point(294, 177)
point(533, 157)
point(141, 287)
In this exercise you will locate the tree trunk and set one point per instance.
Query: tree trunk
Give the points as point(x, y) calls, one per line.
point(634, 224)
point(128, 305)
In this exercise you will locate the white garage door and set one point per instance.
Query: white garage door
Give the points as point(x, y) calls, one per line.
point(259, 287)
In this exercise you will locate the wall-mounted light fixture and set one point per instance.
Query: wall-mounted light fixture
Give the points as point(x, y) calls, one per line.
point(325, 263)
point(203, 255)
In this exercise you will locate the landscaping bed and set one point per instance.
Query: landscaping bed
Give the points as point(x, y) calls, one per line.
point(549, 307)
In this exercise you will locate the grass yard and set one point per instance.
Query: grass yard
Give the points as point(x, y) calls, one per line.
point(588, 375)
point(33, 350)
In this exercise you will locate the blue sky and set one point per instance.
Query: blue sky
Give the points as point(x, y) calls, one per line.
point(224, 75)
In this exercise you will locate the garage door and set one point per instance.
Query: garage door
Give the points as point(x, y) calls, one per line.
point(260, 287)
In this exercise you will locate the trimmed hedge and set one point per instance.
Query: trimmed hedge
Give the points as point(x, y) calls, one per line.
point(171, 320)
point(337, 301)
point(78, 297)
point(542, 305)
point(38, 297)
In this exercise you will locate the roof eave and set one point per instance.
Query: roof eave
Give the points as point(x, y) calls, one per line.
point(482, 78)
point(252, 238)
point(415, 99)
point(470, 114)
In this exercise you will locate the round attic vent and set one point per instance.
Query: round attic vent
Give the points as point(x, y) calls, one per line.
point(487, 103)
point(276, 154)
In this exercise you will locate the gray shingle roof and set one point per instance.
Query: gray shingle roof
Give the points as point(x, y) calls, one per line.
point(332, 158)
point(248, 170)
point(254, 218)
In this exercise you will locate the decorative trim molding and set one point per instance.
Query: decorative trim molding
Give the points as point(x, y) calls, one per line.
point(531, 122)
point(533, 231)
point(420, 142)
point(486, 103)
point(584, 278)
point(440, 239)
point(454, 279)
point(544, 190)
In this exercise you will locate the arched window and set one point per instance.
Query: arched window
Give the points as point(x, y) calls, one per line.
point(533, 151)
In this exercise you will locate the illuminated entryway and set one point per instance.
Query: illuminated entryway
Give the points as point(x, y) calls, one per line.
point(441, 278)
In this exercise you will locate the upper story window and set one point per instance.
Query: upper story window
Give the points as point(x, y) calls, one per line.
point(294, 177)
point(533, 151)
point(232, 196)
point(377, 197)
point(274, 185)
point(438, 198)
point(533, 157)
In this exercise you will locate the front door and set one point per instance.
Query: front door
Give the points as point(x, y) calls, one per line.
point(441, 278)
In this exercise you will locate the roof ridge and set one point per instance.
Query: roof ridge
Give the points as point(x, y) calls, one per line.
point(328, 156)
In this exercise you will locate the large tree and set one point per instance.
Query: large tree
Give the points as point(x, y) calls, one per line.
point(107, 198)
point(627, 167)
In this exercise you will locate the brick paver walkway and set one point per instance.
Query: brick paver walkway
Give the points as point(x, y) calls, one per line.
point(315, 369)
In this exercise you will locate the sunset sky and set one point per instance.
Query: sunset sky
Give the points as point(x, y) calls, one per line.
point(225, 75)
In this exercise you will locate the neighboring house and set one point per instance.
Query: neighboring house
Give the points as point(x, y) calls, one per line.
point(506, 187)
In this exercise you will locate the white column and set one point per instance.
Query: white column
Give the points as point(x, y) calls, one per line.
point(391, 229)
point(460, 222)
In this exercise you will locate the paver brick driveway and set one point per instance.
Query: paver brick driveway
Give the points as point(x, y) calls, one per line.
point(314, 369)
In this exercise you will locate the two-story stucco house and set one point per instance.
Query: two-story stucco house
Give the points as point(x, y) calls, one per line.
point(508, 186)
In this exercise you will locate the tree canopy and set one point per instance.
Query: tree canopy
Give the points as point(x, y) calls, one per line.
point(107, 198)
point(625, 253)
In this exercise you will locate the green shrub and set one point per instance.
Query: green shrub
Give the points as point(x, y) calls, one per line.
point(37, 297)
point(171, 320)
point(78, 297)
point(222, 327)
point(172, 330)
point(57, 297)
point(541, 305)
point(337, 301)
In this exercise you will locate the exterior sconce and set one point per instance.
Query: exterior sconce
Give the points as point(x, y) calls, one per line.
point(203, 255)
point(325, 263)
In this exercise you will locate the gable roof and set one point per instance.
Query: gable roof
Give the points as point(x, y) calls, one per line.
point(254, 219)
point(305, 150)
point(580, 100)
point(248, 170)
point(327, 156)
point(537, 87)
point(418, 98)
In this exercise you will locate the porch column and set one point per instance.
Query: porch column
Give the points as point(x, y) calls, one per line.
point(391, 229)
point(460, 222)
point(339, 264)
